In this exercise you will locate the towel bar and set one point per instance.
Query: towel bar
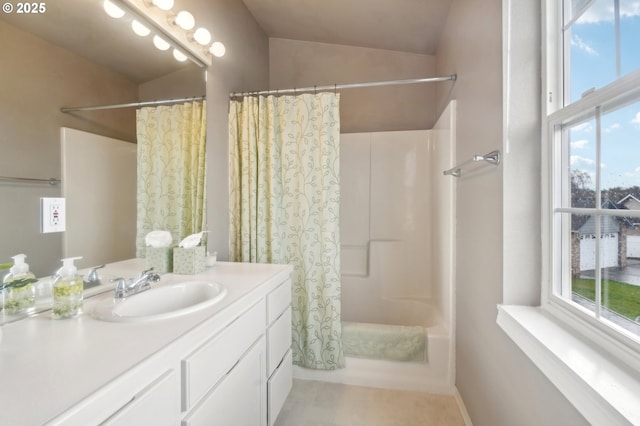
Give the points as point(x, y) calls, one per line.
point(492, 157)
point(50, 181)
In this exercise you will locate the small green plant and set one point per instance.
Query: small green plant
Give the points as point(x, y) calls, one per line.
point(17, 283)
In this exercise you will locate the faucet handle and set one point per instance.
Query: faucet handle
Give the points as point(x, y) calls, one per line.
point(145, 272)
point(121, 283)
point(93, 274)
point(121, 287)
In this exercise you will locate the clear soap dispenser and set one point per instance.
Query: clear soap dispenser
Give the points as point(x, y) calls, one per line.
point(18, 287)
point(67, 290)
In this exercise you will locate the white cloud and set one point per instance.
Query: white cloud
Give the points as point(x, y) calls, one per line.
point(577, 160)
point(636, 119)
point(583, 45)
point(611, 128)
point(580, 144)
point(603, 11)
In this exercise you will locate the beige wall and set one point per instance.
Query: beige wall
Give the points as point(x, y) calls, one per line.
point(184, 83)
point(305, 64)
point(244, 67)
point(37, 79)
point(498, 383)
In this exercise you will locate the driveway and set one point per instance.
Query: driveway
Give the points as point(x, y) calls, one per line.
point(629, 274)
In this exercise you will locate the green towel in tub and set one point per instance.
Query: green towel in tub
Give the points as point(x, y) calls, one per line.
point(382, 341)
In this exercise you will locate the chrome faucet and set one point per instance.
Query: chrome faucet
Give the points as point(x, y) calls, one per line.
point(135, 286)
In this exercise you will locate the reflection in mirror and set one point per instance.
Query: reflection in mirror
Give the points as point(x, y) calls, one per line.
point(74, 55)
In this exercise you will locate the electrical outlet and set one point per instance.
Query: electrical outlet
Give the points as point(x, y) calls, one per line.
point(53, 214)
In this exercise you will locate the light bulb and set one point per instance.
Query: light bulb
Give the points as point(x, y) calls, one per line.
point(181, 57)
point(185, 20)
point(217, 49)
point(202, 36)
point(160, 43)
point(112, 10)
point(139, 29)
point(163, 4)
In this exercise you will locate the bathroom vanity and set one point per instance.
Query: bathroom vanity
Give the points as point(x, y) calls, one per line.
point(225, 364)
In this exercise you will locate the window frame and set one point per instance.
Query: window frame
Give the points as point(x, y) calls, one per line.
point(614, 340)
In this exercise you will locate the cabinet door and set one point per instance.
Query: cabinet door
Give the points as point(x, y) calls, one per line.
point(278, 341)
point(278, 301)
point(157, 404)
point(279, 386)
point(239, 398)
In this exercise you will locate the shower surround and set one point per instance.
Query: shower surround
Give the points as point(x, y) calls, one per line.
point(397, 211)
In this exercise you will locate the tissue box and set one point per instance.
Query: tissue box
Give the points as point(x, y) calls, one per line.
point(189, 260)
point(160, 259)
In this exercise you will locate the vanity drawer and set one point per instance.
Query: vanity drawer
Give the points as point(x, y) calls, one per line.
point(278, 340)
point(238, 399)
point(278, 300)
point(279, 386)
point(156, 404)
point(206, 365)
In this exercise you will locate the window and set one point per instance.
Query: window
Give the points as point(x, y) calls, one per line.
point(592, 155)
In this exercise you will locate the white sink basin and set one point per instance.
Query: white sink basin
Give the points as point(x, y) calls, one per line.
point(163, 302)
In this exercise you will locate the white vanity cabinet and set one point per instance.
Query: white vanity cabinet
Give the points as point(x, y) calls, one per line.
point(230, 368)
point(279, 362)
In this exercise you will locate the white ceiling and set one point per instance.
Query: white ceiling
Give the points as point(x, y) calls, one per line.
point(401, 25)
point(82, 27)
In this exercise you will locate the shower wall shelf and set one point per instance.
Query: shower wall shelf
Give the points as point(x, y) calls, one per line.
point(492, 158)
point(50, 181)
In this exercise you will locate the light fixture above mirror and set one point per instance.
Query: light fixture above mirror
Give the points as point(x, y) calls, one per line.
point(202, 36)
point(112, 10)
point(169, 29)
point(184, 20)
point(140, 29)
point(163, 4)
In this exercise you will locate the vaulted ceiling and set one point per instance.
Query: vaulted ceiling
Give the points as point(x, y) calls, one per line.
point(400, 25)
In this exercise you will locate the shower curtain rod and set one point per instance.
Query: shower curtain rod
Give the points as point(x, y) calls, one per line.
point(345, 86)
point(132, 104)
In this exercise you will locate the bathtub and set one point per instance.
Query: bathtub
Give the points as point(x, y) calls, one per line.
point(436, 375)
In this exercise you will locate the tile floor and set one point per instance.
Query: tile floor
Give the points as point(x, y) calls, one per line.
point(313, 403)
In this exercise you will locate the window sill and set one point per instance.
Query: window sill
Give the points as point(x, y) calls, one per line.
point(603, 392)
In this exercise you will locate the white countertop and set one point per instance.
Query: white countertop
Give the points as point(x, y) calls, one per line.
point(48, 366)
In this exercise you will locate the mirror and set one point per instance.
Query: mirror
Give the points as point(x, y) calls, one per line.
point(71, 54)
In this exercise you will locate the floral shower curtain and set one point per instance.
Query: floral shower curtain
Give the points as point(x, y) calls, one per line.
point(171, 170)
point(284, 208)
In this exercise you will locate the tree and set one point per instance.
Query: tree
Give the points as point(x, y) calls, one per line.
point(581, 193)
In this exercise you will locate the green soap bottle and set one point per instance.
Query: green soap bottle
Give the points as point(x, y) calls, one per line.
point(19, 292)
point(67, 291)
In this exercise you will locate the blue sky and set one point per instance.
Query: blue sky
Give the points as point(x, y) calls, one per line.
point(593, 65)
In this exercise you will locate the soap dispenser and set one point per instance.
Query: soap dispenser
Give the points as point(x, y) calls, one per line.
point(17, 287)
point(67, 290)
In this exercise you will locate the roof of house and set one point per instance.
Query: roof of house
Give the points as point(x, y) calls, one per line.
point(628, 201)
point(609, 224)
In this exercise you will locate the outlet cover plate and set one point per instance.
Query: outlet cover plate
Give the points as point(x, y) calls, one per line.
point(53, 215)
